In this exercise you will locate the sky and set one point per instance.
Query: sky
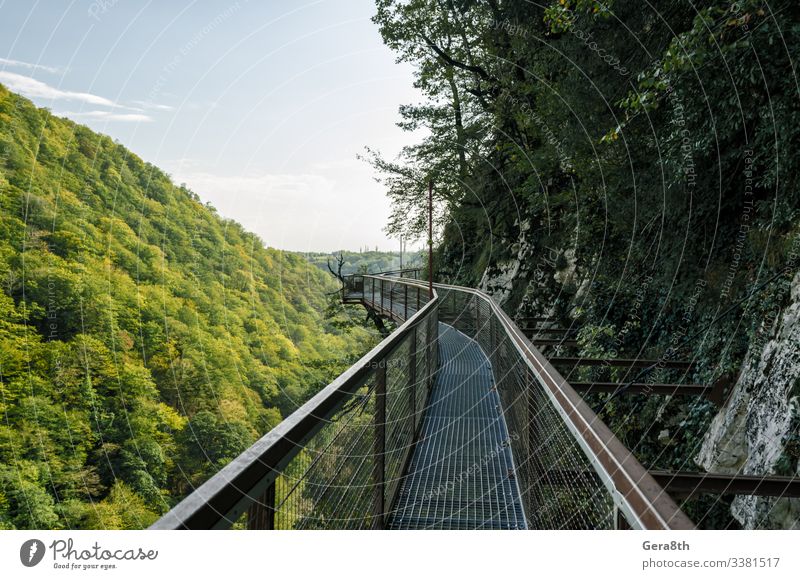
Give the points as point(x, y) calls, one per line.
point(260, 107)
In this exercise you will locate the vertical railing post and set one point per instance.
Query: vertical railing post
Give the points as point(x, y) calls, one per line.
point(477, 320)
point(391, 298)
point(535, 472)
point(405, 301)
point(429, 352)
point(379, 450)
point(620, 522)
point(261, 514)
point(434, 342)
point(412, 379)
point(417, 298)
point(494, 347)
point(373, 292)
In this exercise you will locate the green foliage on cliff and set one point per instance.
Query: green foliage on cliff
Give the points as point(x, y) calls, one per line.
point(144, 340)
point(637, 162)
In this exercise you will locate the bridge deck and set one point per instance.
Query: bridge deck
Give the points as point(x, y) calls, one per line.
point(459, 476)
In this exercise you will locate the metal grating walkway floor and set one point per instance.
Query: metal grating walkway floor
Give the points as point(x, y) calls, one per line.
point(459, 474)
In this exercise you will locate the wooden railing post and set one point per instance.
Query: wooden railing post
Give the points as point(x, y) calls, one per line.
point(261, 514)
point(379, 450)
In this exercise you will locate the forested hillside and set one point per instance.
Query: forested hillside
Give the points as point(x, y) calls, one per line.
point(629, 168)
point(144, 340)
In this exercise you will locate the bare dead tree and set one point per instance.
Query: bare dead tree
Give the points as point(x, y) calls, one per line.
point(339, 266)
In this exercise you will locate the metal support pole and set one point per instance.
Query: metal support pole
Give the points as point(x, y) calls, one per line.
point(417, 298)
point(405, 301)
point(620, 523)
point(477, 320)
point(412, 379)
point(373, 292)
point(430, 240)
point(533, 442)
point(494, 347)
point(379, 450)
point(261, 514)
point(429, 354)
point(391, 298)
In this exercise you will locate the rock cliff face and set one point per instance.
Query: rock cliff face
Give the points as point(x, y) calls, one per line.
point(517, 281)
point(756, 432)
point(499, 279)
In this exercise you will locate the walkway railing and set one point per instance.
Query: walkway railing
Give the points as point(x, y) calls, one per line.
point(573, 472)
point(337, 462)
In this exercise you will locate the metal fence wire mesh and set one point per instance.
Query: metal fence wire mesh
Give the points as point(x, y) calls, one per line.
point(452, 422)
point(334, 479)
point(328, 484)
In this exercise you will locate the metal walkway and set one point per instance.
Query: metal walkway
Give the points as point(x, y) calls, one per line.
point(461, 474)
point(420, 433)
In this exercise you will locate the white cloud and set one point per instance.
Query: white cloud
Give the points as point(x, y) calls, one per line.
point(32, 88)
point(107, 116)
point(28, 65)
point(153, 106)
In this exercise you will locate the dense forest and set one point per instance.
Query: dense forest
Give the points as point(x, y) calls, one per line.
point(630, 169)
point(144, 340)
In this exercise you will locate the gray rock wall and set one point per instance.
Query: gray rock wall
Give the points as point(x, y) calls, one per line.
point(750, 433)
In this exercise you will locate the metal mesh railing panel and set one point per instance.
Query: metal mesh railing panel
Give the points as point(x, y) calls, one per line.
point(329, 483)
point(399, 417)
point(422, 381)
